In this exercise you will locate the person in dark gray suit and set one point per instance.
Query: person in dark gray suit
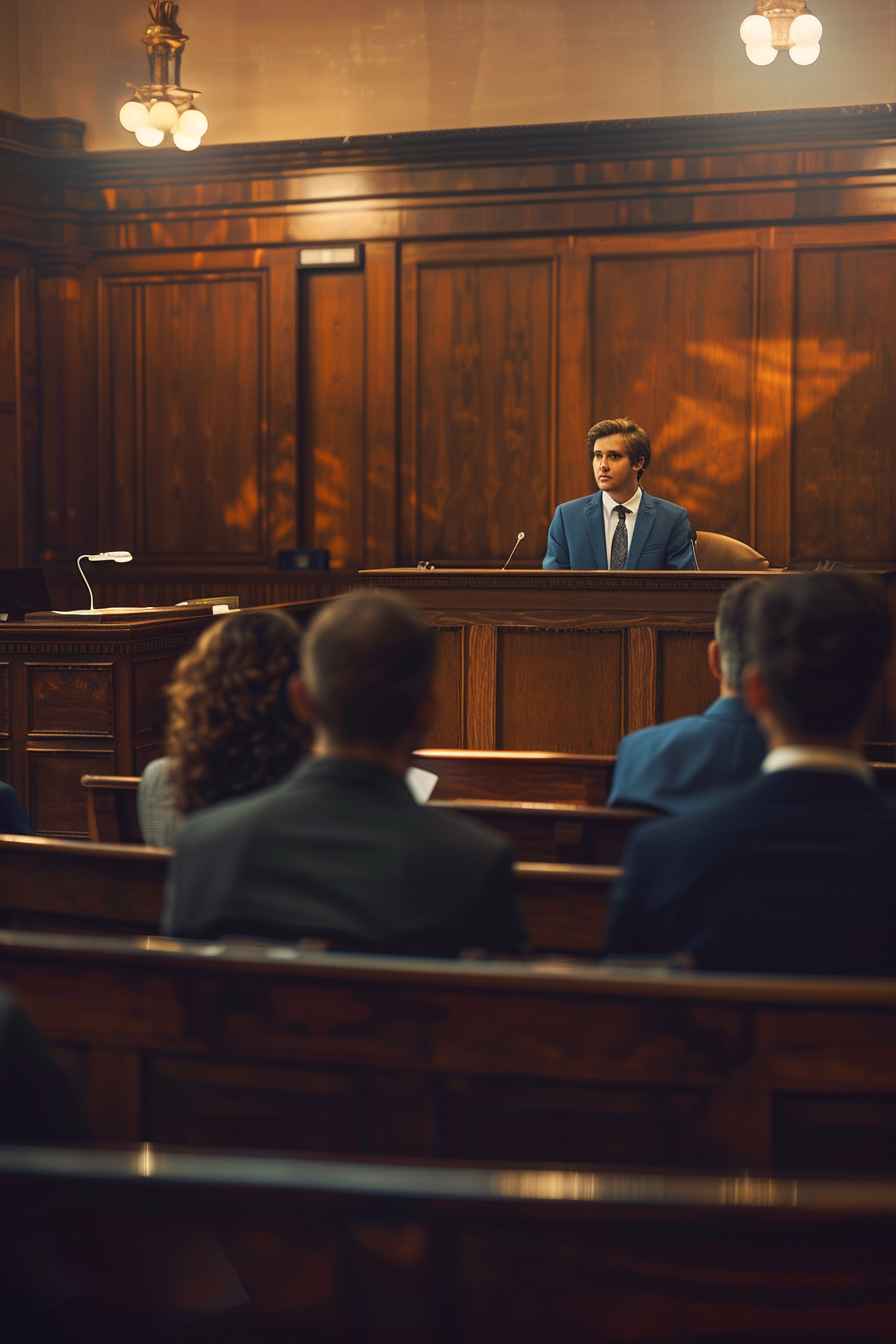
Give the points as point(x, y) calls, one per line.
point(339, 850)
point(792, 872)
point(682, 765)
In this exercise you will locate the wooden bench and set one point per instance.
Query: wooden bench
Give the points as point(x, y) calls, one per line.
point(73, 886)
point(112, 808)
point(281, 1048)
point(264, 1249)
point(545, 833)
point(519, 776)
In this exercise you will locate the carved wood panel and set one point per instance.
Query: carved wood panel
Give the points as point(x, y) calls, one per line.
point(448, 726)
point(479, 355)
point(685, 683)
point(59, 697)
point(542, 674)
point(671, 342)
point(57, 804)
point(844, 360)
point(333, 439)
point(184, 415)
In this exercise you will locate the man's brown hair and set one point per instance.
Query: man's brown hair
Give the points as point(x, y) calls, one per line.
point(635, 439)
point(821, 641)
point(367, 661)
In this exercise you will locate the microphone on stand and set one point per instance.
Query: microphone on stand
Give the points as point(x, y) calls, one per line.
point(511, 555)
point(693, 539)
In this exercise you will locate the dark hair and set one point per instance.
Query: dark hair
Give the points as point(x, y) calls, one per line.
point(230, 728)
point(635, 439)
point(821, 641)
point(367, 660)
point(732, 617)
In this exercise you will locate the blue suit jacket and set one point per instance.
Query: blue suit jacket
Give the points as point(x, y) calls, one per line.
point(577, 537)
point(681, 766)
point(791, 873)
point(13, 817)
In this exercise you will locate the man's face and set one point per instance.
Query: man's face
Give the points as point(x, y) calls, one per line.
point(613, 469)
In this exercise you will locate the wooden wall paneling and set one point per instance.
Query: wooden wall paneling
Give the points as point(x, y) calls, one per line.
point(57, 804)
point(481, 690)
point(572, 475)
point(59, 695)
point(68, 459)
point(381, 406)
point(195, 465)
point(333, 412)
point(672, 346)
point(542, 672)
point(479, 407)
point(283, 503)
point(12, 466)
point(204, 468)
point(844, 492)
point(774, 402)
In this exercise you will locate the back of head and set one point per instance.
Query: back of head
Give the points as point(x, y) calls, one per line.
point(731, 631)
point(635, 439)
point(230, 728)
point(367, 662)
point(821, 641)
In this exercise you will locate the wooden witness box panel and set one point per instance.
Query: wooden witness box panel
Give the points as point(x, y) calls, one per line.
point(86, 697)
point(563, 660)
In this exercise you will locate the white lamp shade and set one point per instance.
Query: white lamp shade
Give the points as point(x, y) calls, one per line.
point(163, 115)
point(193, 123)
point(805, 31)
point(133, 115)
point(756, 31)
point(149, 136)
point(186, 142)
point(805, 55)
point(761, 55)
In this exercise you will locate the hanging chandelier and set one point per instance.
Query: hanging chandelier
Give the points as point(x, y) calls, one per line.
point(776, 26)
point(162, 107)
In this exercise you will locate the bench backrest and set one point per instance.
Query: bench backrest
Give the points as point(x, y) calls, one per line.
point(281, 1048)
point(76, 886)
point(383, 1252)
point(519, 776)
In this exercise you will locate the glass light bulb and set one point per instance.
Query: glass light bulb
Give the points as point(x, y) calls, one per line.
point(163, 115)
point(805, 55)
point(133, 115)
point(761, 55)
point(756, 31)
point(806, 30)
point(149, 136)
point(186, 142)
point(193, 123)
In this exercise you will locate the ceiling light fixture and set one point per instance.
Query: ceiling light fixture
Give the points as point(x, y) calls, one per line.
point(162, 107)
point(775, 27)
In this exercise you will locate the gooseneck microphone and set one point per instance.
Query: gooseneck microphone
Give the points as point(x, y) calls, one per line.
point(511, 555)
point(693, 539)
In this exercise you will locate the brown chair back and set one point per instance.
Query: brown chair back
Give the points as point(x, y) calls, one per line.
point(716, 551)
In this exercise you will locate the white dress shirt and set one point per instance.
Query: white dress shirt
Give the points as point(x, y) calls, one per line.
point(611, 519)
point(817, 758)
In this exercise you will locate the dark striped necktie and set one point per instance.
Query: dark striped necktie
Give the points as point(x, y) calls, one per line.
point(619, 548)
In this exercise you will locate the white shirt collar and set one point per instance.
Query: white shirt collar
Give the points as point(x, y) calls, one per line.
point(817, 758)
point(632, 505)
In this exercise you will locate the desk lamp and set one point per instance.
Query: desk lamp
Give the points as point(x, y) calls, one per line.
point(120, 558)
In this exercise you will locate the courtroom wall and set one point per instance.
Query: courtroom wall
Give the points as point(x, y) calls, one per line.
point(177, 383)
point(282, 69)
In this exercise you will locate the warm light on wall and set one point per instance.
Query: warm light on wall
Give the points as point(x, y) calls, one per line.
point(778, 27)
point(162, 107)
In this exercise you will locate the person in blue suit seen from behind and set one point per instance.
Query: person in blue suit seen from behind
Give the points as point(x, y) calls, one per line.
point(13, 817)
point(620, 527)
point(681, 765)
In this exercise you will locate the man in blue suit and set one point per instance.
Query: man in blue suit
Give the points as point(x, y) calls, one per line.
point(621, 527)
point(793, 872)
point(681, 766)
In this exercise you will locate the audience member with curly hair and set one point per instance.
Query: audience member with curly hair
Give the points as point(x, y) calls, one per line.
point(230, 728)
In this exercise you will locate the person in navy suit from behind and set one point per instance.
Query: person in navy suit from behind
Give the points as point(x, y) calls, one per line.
point(793, 872)
point(13, 817)
point(621, 527)
point(681, 766)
